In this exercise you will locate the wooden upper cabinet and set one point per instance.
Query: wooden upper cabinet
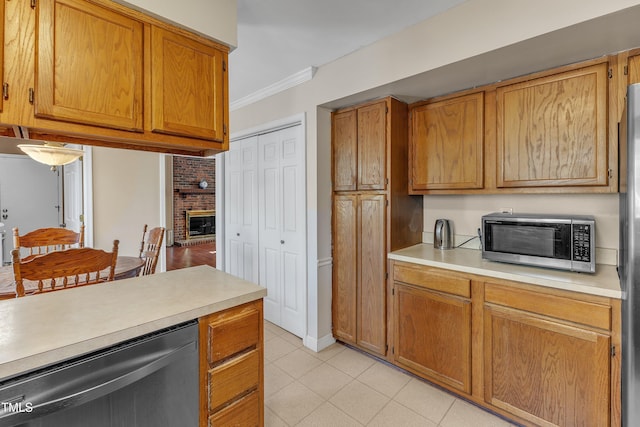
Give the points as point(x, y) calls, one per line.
point(446, 144)
point(633, 65)
point(359, 148)
point(97, 72)
point(345, 150)
point(372, 138)
point(552, 131)
point(189, 86)
point(2, 80)
point(88, 65)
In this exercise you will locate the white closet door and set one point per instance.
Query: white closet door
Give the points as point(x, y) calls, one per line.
point(241, 209)
point(282, 238)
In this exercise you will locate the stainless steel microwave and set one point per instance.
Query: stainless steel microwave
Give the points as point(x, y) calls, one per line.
point(554, 241)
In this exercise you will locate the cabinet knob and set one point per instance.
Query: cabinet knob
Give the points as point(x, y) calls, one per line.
point(282, 242)
point(238, 234)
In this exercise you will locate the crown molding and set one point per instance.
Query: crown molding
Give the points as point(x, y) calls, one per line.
point(284, 84)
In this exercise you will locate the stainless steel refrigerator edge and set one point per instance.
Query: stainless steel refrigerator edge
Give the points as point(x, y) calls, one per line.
point(629, 256)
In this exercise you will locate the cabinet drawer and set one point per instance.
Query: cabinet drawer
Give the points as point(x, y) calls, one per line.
point(431, 280)
point(233, 378)
point(244, 412)
point(233, 333)
point(586, 313)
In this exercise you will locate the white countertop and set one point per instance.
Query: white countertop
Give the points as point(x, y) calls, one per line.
point(604, 282)
point(38, 330)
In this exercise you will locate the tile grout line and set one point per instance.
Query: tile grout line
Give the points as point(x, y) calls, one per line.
point(286, 337)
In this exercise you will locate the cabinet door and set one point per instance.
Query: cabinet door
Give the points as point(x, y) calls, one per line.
point(345, 280)
point(344, 149)
point(634, 69)
point(552, 131)
point(372, 267)
point(88, 65)
point(546, 372)
point(372, 128)
point(433, 335)
point(2, 80)
point(447, 144)
point(188, 87)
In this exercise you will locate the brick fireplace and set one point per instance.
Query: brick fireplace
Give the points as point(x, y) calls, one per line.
point(188, 173)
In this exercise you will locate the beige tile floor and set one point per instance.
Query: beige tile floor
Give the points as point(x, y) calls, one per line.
point(343, 387)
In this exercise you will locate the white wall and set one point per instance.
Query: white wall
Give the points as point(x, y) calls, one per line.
point(475, 29)
point(126, 195)
point(213, 18)
point(466, 211)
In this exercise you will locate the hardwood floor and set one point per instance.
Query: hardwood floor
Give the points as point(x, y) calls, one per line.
point(189, 256)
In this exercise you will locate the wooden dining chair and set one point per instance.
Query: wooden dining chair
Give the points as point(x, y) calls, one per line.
point(150, 249)
point(45, 240)
point(64, 269)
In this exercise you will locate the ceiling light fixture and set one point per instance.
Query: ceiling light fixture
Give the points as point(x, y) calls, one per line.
point(51, 153)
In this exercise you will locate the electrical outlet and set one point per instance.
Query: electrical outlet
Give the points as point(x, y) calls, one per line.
point(507, 210)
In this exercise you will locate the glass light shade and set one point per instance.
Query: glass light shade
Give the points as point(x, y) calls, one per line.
point(51, 153)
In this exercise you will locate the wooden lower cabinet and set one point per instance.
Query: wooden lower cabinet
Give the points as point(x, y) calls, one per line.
point(359, 285)
point(232, 367)
point(433, 335)
point(240, 413)
point(545, 371)
point(433, 327)
point(537, 355)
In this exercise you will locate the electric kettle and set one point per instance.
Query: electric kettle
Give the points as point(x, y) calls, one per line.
point(443, 234)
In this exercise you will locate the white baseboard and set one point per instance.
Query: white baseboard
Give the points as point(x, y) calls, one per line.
point(318, 345)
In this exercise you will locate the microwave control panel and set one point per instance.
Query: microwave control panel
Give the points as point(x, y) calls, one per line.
point(582, 242)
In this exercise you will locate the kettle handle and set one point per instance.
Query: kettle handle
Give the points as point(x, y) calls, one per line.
point(438, 231)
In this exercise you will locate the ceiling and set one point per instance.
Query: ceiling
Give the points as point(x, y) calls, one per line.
point(279, 38)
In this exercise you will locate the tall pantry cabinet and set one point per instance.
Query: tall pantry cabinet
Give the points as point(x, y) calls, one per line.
point(372, 215)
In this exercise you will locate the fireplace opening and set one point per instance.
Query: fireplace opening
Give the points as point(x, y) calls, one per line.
point(201, 224)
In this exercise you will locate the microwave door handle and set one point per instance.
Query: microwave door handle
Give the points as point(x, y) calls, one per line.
point(69, 396)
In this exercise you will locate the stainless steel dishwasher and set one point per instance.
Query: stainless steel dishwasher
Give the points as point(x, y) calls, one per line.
point(148, 381)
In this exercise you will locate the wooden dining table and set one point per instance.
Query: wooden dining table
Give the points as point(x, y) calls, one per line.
point(126, 267)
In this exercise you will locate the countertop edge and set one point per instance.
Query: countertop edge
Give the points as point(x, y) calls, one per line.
point(517, 277)
point(38, 360)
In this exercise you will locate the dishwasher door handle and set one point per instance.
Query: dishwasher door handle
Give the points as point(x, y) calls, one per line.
point(76, 393)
